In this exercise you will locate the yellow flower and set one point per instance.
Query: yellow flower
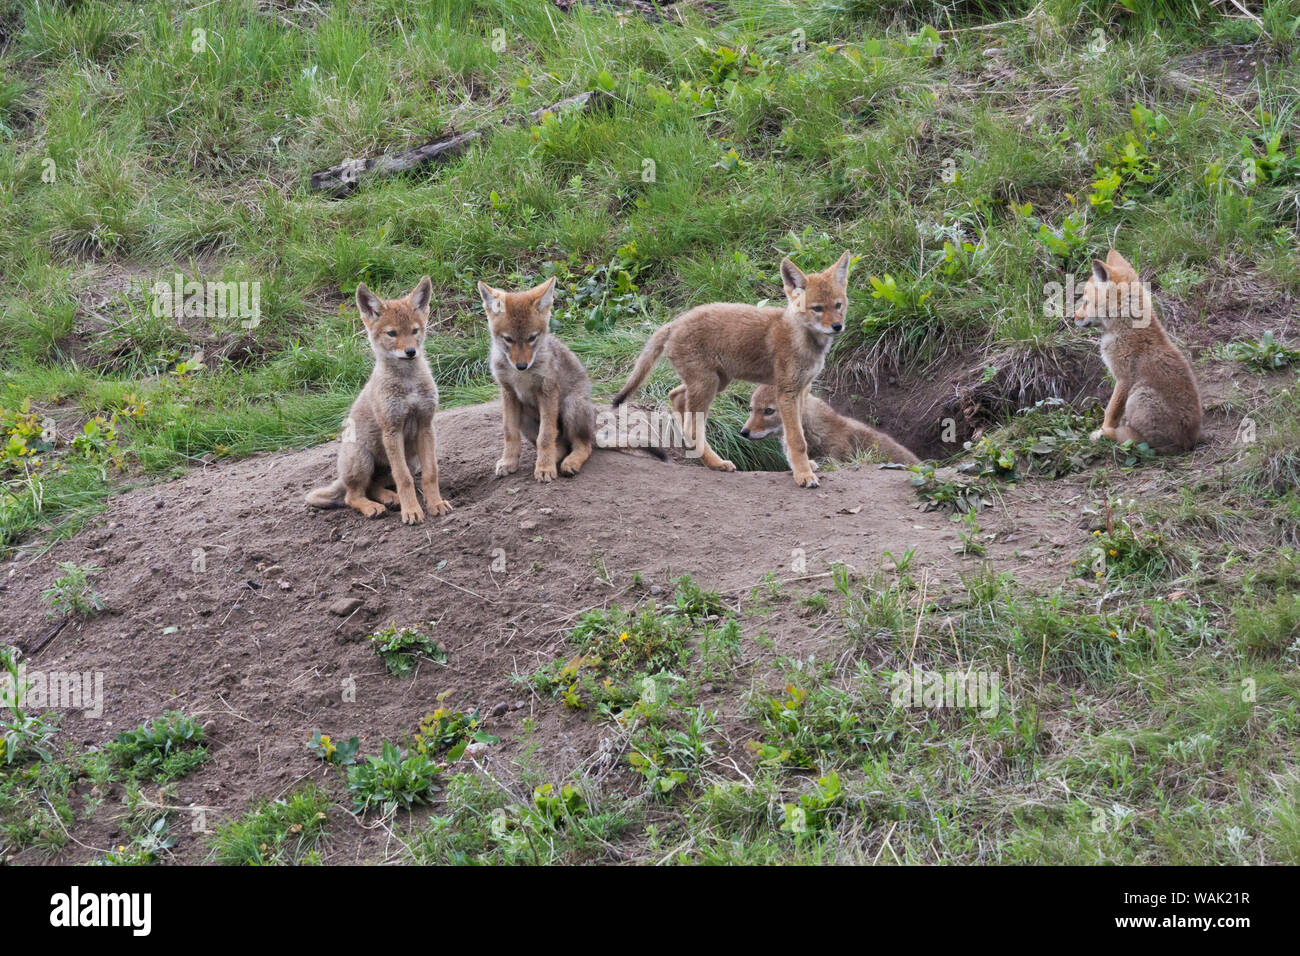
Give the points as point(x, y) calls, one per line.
point(1113, 552)
point(1113, 634)
point(622, 638)
point(1097, 533)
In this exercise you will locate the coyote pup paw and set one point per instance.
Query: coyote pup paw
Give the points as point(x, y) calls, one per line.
point(507, 467)
point(440, 507)
point(723, 465)
point(808, 480)
point(544, 474)
point(371, 509)
point(413, 515)
point(1095, 436)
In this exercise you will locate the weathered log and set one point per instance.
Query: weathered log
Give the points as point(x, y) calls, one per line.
point(341, 179)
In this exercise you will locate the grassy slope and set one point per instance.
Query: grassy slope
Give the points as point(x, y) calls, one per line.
point(171, 158)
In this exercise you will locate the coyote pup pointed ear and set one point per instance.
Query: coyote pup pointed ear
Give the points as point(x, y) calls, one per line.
point(545, 296)
point(493, 300)
point(420, 296)
point(1118, 263)
point(792, 277)
point(1099, 271)
point(368, 303)
point(842, 269)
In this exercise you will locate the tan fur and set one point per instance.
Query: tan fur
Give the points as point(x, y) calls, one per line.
point(711, 345)
point(1155, 398)
point(829, 434)
point(545, 391)
point(389, 431)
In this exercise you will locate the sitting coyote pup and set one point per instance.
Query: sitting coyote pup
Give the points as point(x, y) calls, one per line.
point(712, 344)
point(1155, 398)
point(544, 388)
point(829, 434)
point(390, 426)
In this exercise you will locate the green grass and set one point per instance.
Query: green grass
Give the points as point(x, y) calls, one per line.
point(140, 142)
point(279, 832)
point(760, 147)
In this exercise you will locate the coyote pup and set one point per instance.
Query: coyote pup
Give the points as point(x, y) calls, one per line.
point(545, 390)
point(1155, 398)
point(785, 347)
point(829, 434)
point(389, 430)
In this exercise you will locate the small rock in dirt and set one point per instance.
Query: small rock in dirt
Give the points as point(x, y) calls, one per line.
point(500, 709)
point(656, 590)
point(345, 606)
point(528, 525)
point(519, 705)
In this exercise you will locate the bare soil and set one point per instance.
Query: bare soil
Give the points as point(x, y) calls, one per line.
point(224, 595)
point(221, 585)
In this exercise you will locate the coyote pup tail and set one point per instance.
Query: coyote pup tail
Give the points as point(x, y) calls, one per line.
point(645, 364)
point(331, 496)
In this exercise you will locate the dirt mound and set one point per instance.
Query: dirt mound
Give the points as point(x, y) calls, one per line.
point(231, 600)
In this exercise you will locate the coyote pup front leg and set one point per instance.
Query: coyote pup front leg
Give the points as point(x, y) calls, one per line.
point(510, 413)
point(548, 408)
point(395, 448)
point(1114, 412)
point(433, 498)
point(796, 443)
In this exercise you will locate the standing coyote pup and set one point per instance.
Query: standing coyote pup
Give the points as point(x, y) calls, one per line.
point(829, 434)
point(545, 390)
point(712, 344)
point(1155, 398)
point(390, 427)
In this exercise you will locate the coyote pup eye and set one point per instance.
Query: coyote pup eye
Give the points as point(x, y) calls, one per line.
point(533, 337)
point(392, 334)
point(509, 340)
point(817, 308)
point(769, 411)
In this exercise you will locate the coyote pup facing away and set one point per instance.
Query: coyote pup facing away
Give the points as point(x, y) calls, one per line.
point(390, 427)
point(829, 434)
point(1155, 398)
point(545, 390)
point(712, 344)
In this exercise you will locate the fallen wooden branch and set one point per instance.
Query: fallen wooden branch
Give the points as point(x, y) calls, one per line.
point(342, 179)
point(39, 644)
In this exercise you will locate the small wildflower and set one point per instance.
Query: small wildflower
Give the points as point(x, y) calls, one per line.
point(622, 638)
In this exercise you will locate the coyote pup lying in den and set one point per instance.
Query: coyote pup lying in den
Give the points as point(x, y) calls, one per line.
point(545, 391)
point(1155, 398)
point(785, 347)
point(829, 434)
point(389, 431)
